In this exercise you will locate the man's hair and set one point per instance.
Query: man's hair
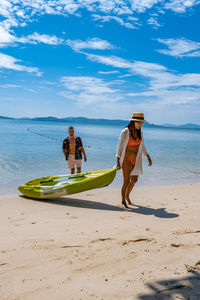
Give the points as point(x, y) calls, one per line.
point(71, 127)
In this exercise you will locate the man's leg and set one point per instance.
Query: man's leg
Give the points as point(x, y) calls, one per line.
point(78, 165)
point(78, 170)
point(71, 163)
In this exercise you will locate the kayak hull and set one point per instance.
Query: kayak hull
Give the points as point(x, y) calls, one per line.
point(62, 185)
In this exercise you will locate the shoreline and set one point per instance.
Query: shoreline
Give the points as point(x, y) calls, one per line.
point(115, 186)
point(86, 247)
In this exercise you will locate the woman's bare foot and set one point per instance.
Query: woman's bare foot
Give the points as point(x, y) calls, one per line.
point(129, 201)
point(124, 205)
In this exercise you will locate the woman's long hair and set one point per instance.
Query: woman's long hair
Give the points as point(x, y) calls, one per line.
point(135, 133)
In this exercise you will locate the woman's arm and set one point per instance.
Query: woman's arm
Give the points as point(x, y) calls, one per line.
point(120, 147)
point(118, 163)
point(144, 151)
point(149, 160)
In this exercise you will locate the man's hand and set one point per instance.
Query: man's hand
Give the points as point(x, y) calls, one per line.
point(149, 160)
point(85, 158)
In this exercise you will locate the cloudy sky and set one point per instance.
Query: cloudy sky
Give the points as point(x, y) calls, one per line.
point(100, 59)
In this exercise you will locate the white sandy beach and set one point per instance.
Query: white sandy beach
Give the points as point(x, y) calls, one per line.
point(85, 247)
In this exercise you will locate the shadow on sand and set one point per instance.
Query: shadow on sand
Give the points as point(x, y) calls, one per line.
point(185, 288)
point(159, 213)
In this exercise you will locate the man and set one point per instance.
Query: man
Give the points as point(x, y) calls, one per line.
point(73, 150)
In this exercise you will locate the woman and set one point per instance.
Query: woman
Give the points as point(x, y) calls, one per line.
point(129, 155)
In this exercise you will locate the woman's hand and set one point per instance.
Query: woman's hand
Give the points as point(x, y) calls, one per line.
point(149, 160)
point(118, 164)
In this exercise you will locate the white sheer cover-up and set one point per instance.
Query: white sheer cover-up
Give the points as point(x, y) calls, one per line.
point(121, 149)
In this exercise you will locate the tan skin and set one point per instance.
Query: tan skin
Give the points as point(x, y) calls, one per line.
point(129, 181)
point(72, 149)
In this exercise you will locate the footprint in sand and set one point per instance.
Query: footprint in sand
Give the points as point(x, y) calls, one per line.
point(177, 245)
point(184, 245)
point(136, 241)
point(101, 240)
point(71, 246)
point(3, 264)
point(188, 231)
point(195, 268)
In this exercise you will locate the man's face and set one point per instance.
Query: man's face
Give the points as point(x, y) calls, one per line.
point(71, 131)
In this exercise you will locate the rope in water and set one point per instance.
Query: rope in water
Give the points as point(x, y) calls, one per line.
point(52, 138)
point(43, 135)
point(60, 140)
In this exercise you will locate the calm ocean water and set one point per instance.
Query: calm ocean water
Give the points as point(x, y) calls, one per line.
point(30, 149)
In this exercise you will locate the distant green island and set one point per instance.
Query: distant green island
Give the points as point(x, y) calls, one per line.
point(83, 120)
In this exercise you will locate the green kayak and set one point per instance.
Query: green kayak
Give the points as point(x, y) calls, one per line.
point(61, 185)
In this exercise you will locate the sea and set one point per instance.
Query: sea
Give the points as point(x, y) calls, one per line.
point(31, 149)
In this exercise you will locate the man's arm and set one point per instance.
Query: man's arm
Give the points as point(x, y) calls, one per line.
point(83, 151)
point(64, 147)
point(64, 152)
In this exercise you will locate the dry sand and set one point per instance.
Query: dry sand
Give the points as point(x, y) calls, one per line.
point(86, 247)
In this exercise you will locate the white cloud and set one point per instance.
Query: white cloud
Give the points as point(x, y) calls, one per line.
point(160, 77)
point(108, 72)
point(153, 21)
point(163, 90)
point(161, 87)
point(40, 38)
point(160, 82)
point(5, 8)
point(91, 85)
point(117, 19)
point(89, 90)
point(94, 43)
point(135, 67)
point(180, 47)
point(6, 37)
point(19, 13)
point(141, 6)
point(7, 86)
point(9, 62)
point(180, 6)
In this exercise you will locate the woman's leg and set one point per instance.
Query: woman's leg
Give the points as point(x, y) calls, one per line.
point(132, 182)
point(126, 168)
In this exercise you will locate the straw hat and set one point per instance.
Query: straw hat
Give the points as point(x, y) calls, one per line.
point(138, 116)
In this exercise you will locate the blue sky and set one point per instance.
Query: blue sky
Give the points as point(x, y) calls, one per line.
point(100, 59)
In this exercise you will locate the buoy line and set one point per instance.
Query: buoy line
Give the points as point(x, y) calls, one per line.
point(52, 138)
